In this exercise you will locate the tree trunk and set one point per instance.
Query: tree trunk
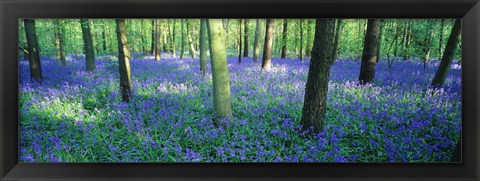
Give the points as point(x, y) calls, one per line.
point(284, 40)
point(448, 55)
point(142, 38)
point(316, 89)
point(174, 43)
point(338, 30)
point(88, 44)
point(33, 52)
point(221, 80)
point(165, 42)
point(152, 46)
point(123, 61)
point(203, 46)
point(59, 44)
point(301, 40)
point(369, 56)
point(379, 49)
point(267, 48)
point(182, 48)
point(256, 46)
point(308, 48)
point(440, 41)
point(104, 39)
point(158, 45)
point(427, 43)
point(190, 41)
point(245, 41)
point(240, 41)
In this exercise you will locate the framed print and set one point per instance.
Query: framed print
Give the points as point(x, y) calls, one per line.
point(154, 90)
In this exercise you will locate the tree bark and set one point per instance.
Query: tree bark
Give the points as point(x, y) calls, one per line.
point(203, 46)
point(440, 41)
point(221, 80)
point(33, 52)
point(88, 44)
point(59, 44)
point(267, 48)
point(124, 61)
point(313, 113)
point(284, 40)
point(301, 40)
point(182, 48)
point(158, 45)
point(448, 55)
point(256, 46)
point(240, 41)
point(338, 30)
point(152, 46)
point(379, 49)
point(369, 55)
point(174, 43)
point(245, 41)
point(190, 40)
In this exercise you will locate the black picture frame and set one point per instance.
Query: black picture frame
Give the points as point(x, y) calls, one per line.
point(12, 10)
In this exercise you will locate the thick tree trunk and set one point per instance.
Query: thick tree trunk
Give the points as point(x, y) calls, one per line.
point(221, 80)
point(369, 55)
point(123, 61)
point(284, 40)
point(448, 55)
point(158, 45)
point(33, 52)
point(313, 113)
point(88, 44)
point(203, 46)
point(267, 48)
point(338, 30)
point(190, 41)
point(245, 41)
point(182, 48)
point(256, 46)
point(59, 44)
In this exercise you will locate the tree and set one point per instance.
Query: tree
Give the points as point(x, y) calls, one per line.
point(267, 47)
point(240, 41)
point(157, 50)
point(369, 55)
point(221, 80)
point(440, 40)
point(59, 44)
point(338, 31)
point(448, 55)
point(203, 46)
point(174, 50)
point(427, 42)
point(123, 61)
point(152, 46)
point(313, 113)
point(88, 45)
point(256, 45)
point(284, 43)
point(301, 40)
point(182, 48)
point(33, 52)
point(245, 41)
point(190, 41)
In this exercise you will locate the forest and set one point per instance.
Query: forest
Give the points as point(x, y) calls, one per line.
point(239, 90)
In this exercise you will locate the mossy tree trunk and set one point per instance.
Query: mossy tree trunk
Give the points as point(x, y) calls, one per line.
point(221, 80)
point(33, 52)
point(124, 61)
point(203, 46)
point(267, 48)
point(88, 45)
point(313, 113)
point(448, 55)
point(369, 55)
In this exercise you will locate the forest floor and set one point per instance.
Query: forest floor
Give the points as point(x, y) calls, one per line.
point(76, 116)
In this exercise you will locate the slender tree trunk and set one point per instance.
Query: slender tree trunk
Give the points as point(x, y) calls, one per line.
point(203, 46)
point(338, 30)
point(395, 39)
point(301, 40)
point(397, 32)
point(267, 48)
point(182, 48)
point(440, 41)
point(142, 38)
point(316, 89)
point(88, 44)
point(165, 42)
point(284, 43)
point(152, 46)
point(427, 43)
point(379, 49)
point(245, 41)
point(256, 46)
point(33, 52)
point(240, 41)
point(448, 55)
point(104, 38)
point(158, 45)
point(174, 43)
point(59, 44)
point(221, 80)
point(124, 61)
point(369, 56)
point(308, 48)
point(190, 41)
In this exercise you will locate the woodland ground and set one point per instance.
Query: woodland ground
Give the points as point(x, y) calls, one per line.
point(75, 116)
